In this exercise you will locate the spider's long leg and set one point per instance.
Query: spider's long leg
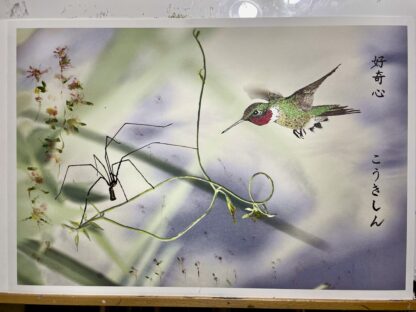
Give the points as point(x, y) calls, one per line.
point(101, 163)
point(134, 124)
point(122, 188)
point(78, 165)
point(86, 198)
point(146, 145)
point(95, 163)
point(128, 160)
point(109, 140)
point(107, 160)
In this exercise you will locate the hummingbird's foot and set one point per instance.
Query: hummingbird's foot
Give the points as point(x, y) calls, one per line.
point(316, 125)
point(299, 133)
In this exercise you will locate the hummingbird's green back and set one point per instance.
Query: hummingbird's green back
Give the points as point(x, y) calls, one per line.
point(290, 115)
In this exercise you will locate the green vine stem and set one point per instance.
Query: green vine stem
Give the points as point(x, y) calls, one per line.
point(100, 215)
point(219, 188)
point(258, 207)
point(172, 238)
point(203, 76)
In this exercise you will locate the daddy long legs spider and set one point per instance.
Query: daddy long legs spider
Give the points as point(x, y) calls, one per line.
point(108, 172)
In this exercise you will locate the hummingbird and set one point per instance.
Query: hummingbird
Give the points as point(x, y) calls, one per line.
point(295, 111)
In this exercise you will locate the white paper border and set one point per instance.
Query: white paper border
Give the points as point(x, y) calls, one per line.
point(13, 25)
point(3, 160)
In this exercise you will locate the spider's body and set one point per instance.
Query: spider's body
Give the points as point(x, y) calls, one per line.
point(111, 189)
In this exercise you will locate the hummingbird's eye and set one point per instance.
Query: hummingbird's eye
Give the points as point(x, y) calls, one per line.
point(256, 112)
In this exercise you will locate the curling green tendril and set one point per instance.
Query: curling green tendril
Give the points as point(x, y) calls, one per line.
point(256, 210)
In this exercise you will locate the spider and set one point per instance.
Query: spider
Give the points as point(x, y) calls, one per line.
point(109, 171)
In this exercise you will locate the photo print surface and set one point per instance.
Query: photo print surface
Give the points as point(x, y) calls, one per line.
point(229, 157)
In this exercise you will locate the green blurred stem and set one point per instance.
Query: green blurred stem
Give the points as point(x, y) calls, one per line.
point(67, 266)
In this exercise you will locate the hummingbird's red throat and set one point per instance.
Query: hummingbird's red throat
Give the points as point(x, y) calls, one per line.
point(262, 119)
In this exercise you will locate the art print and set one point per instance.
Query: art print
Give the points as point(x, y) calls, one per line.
point(271, 157)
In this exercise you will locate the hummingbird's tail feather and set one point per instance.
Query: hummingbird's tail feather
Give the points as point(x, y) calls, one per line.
point(333, 110)
point(322, 112)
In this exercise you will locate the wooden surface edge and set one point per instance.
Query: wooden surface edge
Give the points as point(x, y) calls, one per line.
point(172, 301)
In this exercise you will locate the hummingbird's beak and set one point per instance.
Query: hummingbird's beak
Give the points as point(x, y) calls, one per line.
point(234, 124)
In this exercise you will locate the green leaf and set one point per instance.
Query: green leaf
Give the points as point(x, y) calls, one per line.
point(74, 223)
point(85, 232)
point(51, 121)
point(94, 228)
point(76, 240)
point(30, 189)
point(256, 213)
point(201, 74)
point(41, 89)
point(231, 207)
point(64, 264)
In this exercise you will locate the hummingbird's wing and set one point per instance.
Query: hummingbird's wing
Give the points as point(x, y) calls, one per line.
point(259, 93)
point(303, 98)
